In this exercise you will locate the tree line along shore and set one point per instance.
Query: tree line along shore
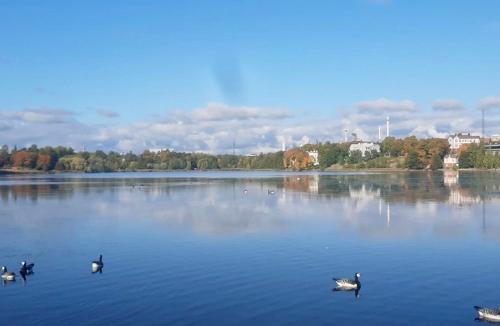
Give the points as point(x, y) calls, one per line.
point(395, 154)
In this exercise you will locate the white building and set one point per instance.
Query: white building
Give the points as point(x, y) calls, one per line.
point(313, 157)
point(364, 147)
point(450, 162)
point(159, 150)
point(495, 138)
point(460, 139)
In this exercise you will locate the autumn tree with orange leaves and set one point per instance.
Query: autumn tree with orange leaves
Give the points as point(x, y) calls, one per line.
point(296, 159)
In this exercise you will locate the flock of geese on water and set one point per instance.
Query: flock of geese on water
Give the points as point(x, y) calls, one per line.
point(345, 284)
point(27, 269)
point(342, 284)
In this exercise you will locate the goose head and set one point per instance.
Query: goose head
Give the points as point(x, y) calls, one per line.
point(357, 275)
point(23, 263)
point(4, 269)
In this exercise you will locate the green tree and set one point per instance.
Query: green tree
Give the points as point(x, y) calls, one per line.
point(392, 146)
point(436, 163)
point(355, 157)
point(328, 155)
point(4, 156)
point(465, 160)
point(413, 161)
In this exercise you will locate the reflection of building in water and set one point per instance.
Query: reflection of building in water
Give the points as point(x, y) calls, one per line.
point(361, 196)
point(388, 214)
point(459, 196)
point(363, 193)
point(450, 177)
point(314, 184)
point(484, 217)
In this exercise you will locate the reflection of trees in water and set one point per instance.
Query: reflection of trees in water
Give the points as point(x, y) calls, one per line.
point(483, 184)
point(469, 188)
point(33, 191)
point(396, 187)
point(302, 183)
point(405, 202)
point(67, 188)
point(403, 187)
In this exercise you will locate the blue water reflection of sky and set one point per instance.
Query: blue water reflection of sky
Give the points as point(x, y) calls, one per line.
point(200, 250)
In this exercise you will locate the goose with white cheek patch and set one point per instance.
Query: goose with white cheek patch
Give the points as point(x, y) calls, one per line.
point(26, 269)
point(97, 265)
point(489, 314)
point(348, 284)
point(8, 276)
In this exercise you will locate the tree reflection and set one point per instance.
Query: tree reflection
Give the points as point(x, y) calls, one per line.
point(407, 203)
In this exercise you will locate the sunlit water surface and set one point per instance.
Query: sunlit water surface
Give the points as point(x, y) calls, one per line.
point(194, 248)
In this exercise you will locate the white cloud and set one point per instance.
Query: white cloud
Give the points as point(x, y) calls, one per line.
point(107, 113)
point(221, 112)
point(383, 105)
point(38, 115)
point(489, 102)
point(447, 105)
point(213, 128)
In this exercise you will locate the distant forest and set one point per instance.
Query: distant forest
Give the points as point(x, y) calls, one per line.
point(410, 152)
point(66, 159)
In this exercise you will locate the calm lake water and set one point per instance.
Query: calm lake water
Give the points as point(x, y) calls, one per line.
point(194, 248)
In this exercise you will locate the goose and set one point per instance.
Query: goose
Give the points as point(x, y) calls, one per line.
point(345, 283)
point(26, 269)
point(270, 192)
point(97, 264)
point(341, 289)
point(491, 314)
point(7, 276)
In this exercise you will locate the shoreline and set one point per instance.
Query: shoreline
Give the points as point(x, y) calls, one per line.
point(387, 170)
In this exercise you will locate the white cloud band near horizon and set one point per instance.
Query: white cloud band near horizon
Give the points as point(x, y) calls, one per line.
point(214, 128)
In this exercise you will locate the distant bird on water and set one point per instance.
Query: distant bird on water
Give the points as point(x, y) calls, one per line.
point(97, 265)
point(348, 284)
point(26, 269)
point(489, 314)
point(245, 191)
point(270, 192)
point(8, 276)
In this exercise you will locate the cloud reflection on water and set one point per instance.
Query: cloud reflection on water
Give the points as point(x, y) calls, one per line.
point(400, 205)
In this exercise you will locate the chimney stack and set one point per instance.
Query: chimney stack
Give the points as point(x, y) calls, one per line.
point(387, 124)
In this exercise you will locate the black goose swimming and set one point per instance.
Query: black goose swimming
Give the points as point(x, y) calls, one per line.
point(26, 269)
point(97, 265)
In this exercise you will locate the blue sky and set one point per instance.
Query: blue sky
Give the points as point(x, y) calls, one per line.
point(108, 70)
